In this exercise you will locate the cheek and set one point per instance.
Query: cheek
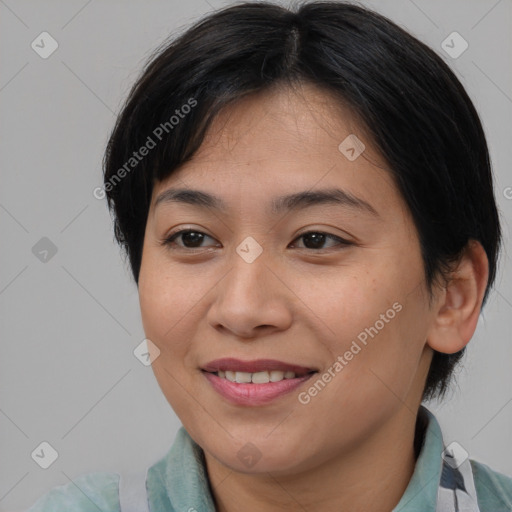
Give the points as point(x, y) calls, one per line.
point(159, 289)
point(375, 322)
point(345, 303)
point(159, 300)
point(171, 304)
point(164, 307)
point(388, 348)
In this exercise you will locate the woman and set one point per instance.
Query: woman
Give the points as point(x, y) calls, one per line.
point(306, 200)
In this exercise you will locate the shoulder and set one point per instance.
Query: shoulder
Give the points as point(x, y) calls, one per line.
point(493, 489)
point(87, 493)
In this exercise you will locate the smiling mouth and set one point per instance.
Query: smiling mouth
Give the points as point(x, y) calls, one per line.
point(261, 377)
point(256, 371)
point(255, 383)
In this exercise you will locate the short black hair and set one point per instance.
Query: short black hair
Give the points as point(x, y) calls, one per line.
point(407, 99)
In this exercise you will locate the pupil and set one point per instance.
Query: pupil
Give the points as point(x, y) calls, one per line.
point(318, 239)
point(195, 237)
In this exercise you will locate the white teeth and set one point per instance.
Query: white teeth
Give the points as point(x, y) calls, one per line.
point(276, 375)
point(243, 377)
point(260, 377)
point(256, 377)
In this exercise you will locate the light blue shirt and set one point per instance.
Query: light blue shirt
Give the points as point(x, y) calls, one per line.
point(178, 482)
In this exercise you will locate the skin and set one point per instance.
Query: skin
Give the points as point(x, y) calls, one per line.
point(351, 446)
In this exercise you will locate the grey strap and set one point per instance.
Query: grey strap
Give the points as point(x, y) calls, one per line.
point(457, 491)
point(133, 496)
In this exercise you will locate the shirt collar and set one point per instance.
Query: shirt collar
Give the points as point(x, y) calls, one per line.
point(188, 486)
point(186, 478)
point(421, 492)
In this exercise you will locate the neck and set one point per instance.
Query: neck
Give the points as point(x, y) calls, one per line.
point(372, 477)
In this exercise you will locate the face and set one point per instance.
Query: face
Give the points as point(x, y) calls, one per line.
point(333, 287)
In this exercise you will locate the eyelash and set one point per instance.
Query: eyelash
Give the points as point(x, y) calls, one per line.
point(170, 244)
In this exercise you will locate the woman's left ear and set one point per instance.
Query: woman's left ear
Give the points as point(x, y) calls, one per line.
point(458, 307)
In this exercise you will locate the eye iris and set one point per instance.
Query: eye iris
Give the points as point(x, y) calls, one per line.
point(318, 240)
point(193, 236)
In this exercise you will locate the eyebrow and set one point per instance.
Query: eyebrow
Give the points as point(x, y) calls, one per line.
point(296, 201)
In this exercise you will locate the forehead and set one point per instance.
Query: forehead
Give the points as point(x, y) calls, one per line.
point(283, 147)
point(286, 120)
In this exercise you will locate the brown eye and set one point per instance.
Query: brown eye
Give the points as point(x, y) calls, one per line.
point(315, 239)
point(191, 239)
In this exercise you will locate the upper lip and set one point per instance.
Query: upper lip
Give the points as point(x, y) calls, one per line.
point(256, 365)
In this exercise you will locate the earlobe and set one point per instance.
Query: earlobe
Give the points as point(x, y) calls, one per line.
point(460, 303)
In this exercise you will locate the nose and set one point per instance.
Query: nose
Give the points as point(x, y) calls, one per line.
point(251, 299)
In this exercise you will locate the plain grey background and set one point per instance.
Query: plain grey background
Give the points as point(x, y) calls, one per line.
point(69, 325)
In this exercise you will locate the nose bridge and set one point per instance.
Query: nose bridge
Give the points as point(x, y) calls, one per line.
point(250, 295)
point(250, 265)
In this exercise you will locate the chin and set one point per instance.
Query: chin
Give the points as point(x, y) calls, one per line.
point(258, 455)
point(276, 465)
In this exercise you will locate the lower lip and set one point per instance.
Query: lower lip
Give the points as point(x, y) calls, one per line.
point(254, 394)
